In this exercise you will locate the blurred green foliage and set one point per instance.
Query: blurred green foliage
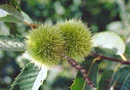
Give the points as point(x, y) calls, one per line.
point(96, 13)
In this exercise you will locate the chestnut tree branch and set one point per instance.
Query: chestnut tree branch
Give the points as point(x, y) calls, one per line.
point(109, 58)
point(73, 63)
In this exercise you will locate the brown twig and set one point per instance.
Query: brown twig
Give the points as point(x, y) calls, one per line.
point(110, 59)
point(31, 25)
point(73, 63)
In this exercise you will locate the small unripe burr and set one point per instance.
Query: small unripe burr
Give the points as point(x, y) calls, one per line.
point(77, 38)
point(44, 45)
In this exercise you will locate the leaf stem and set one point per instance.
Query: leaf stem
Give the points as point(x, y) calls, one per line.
point(110, 59)
point(30, 25)
point(123, 57)
point(73, 63)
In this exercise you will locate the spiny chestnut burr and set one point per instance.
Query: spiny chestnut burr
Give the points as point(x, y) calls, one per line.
point(44, 45)
point(77, 38)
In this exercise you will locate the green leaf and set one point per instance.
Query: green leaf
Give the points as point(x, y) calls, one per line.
point(121, 79)
point(11, 43)
point(104, 83)
point(79, 82)
point(9, 14)
point(4, 30)
point(14, 3)
point(109, 40)
point(30, 78)
point(26, 17)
